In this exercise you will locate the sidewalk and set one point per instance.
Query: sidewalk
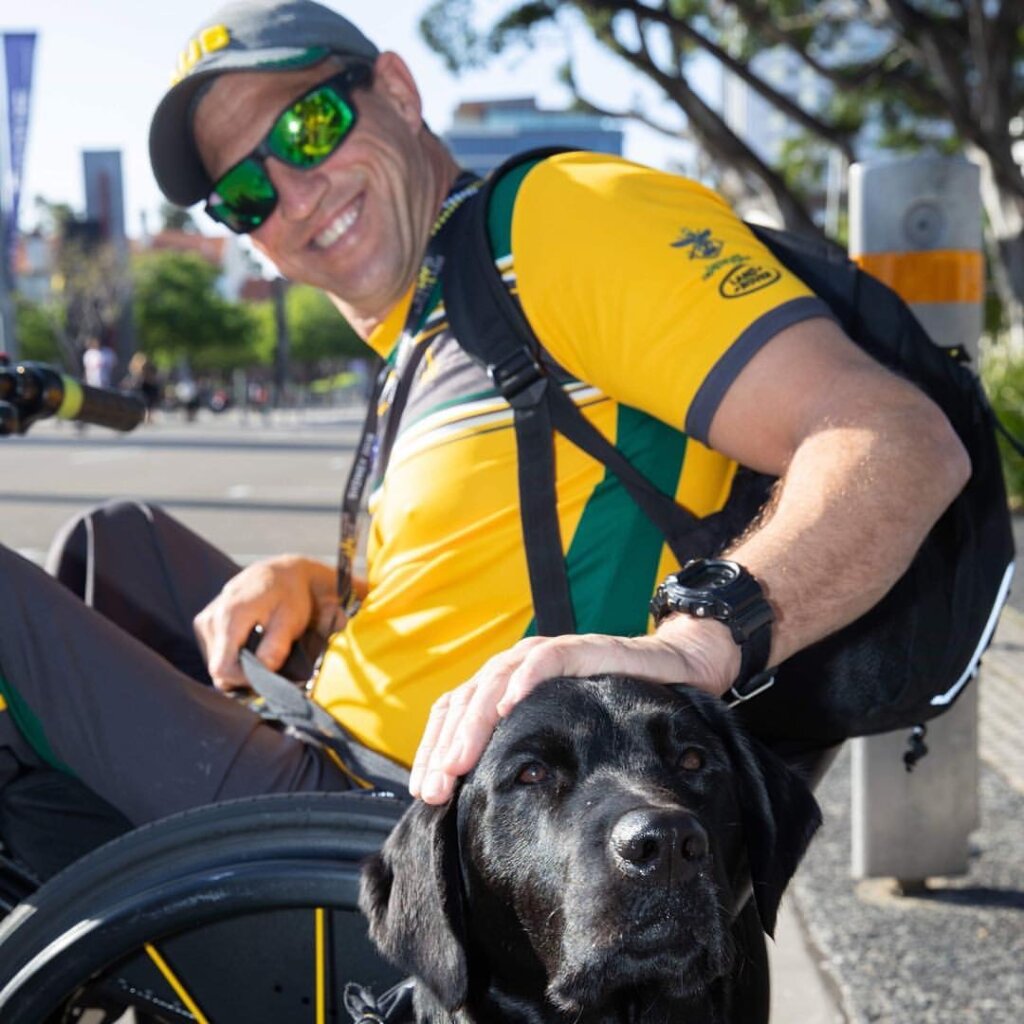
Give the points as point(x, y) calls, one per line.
point(853, 952)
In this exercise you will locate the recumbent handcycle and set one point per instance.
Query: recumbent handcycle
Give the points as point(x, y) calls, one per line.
point(239, 911)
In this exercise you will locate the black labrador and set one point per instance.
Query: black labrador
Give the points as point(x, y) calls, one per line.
point(595, 866)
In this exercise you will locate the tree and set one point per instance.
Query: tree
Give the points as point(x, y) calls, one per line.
point(177, 218)
point(179, 314)
point(91, 282)
point(38, 333)
point(318, 331)
point(896, 74)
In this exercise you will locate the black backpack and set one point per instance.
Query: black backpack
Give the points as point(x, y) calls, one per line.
point(900, 664)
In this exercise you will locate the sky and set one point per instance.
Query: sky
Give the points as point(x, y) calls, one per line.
point(101, 67)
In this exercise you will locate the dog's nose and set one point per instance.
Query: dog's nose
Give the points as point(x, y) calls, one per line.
point(659, 843)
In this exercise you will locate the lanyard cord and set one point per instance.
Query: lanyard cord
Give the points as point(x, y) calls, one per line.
point(391, 388)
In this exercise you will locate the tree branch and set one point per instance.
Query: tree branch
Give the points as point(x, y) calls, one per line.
point(836, 137)
point(888, 70)
point(714, 134)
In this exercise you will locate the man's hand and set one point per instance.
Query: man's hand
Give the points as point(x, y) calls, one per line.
point(284, 595)
point(701, 653)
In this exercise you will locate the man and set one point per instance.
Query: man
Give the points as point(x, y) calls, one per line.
point(98, 362)
point(297, 130)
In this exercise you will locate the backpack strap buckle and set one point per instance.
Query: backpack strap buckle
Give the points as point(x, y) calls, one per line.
point(519, 378)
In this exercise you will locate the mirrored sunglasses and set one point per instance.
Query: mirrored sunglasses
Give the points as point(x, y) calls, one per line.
point(304, 135)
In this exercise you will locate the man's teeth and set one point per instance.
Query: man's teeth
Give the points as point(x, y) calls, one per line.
point(337, 228)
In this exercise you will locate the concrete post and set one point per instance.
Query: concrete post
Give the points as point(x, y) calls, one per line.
point(915, 223)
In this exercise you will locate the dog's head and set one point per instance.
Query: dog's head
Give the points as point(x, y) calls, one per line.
point(603, 844)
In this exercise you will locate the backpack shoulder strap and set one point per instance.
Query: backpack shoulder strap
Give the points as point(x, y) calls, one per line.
point(491, 327)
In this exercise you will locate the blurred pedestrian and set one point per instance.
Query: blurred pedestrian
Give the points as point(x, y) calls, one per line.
point(144, 380)
point(98, 362)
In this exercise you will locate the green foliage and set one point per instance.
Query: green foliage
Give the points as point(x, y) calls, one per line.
point(263, 337)
point(180, 315)
point(317, 332)
point(804, 164)
point(1003, 377)
point(316, 328)
point(516, 26)
point(37, 330)
point(447, 28)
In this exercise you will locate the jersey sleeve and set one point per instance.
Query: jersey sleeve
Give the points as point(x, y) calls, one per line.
point(646, 285)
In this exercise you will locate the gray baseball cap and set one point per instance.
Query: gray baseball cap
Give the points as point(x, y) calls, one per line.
point(249, 35)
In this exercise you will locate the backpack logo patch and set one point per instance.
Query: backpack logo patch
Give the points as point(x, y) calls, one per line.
point(747, 278)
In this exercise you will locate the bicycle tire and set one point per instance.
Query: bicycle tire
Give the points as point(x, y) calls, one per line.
point(216, 864)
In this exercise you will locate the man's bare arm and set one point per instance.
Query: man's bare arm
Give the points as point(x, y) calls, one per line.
point(867, 465)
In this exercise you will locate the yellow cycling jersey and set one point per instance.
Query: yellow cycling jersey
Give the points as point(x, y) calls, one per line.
point(652, 295)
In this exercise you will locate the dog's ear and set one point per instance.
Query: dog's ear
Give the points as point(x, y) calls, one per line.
point(411, 895)
point(780, 815)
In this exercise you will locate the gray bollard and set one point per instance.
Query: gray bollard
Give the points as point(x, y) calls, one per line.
point(915, 223)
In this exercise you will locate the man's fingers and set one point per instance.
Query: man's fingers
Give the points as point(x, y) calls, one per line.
point(224, 667)
point(459, 700)
point(279, 633)
point(459, 726)
point(430, 782)
point(476, 723)
point(541, 661)
point(590, 655)
point(427, 743)
point(422, 782)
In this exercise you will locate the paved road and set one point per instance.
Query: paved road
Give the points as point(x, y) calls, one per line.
point(251, 487)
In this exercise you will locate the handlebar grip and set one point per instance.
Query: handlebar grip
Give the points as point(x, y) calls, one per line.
point(112, 409)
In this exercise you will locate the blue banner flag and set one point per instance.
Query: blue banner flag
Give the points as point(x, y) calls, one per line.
point(19, 50)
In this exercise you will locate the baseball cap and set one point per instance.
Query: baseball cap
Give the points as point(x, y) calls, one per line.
point(248, 35)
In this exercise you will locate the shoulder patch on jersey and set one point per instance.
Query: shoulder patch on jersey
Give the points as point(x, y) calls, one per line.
point(747, 278)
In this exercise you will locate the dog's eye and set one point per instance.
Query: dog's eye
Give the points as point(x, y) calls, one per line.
point(532, 773)
point(692, 760)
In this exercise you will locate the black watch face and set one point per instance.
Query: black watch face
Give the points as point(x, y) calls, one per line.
point(710, 575)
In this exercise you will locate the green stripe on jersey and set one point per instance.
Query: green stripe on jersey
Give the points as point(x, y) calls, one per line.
point(613, 559)
point(499, 212)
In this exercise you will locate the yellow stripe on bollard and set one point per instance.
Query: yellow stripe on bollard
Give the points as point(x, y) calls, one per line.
point(938, 275)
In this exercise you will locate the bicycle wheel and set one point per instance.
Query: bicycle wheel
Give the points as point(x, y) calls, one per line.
point(242, 911)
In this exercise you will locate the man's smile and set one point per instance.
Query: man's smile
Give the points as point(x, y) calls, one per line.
point(339, 225)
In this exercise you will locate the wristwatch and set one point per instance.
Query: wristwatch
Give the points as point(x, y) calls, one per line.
point(715, 588)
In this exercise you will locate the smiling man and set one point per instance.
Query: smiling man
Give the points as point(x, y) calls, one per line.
point(677, 333)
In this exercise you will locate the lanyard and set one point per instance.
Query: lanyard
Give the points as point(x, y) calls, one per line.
point(391, 387)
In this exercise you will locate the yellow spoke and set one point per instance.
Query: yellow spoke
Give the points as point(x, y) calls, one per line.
point(175, 983)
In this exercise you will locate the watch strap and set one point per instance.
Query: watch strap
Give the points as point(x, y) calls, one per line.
point(753, 661)
point(749, 617)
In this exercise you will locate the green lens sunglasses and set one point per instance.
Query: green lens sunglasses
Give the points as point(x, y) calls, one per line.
point(304, 135)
